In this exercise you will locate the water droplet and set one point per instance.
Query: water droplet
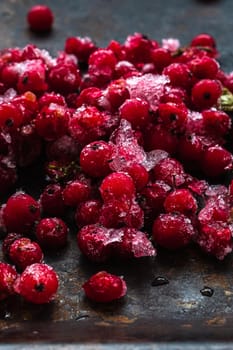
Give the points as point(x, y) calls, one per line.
point(7, 315)
point(207, 291)
point(159, 281)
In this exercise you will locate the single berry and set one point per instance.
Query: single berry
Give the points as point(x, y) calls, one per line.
point(205, 93)
point(40, 18)
point(104, 287)
point(172, 231)
point(21, 213)
point(216, 161)
point(23, 252)
point(8, 276)
point(51, 200)
point(38, 283)
point(95, 158)
point(136, 111)
point(179, 75)
point(52, 232)
point(173, 116)
point(8, 240)
point(215, 239)
point(88, 212)
point(117, 185)
point(170, 171)
point(180, 201)
point(76, 192)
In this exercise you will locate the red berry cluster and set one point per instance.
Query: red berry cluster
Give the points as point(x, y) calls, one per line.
point(131, 143)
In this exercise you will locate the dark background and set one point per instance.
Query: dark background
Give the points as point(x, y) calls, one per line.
point(174, 312)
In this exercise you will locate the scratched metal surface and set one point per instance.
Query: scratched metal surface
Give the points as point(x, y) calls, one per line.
point(173, 312)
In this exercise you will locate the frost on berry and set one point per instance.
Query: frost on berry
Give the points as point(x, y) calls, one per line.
point(99, 243)
point(37, 284)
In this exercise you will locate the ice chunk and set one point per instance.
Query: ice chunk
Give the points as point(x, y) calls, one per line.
point(171, 44)
point(149, 87)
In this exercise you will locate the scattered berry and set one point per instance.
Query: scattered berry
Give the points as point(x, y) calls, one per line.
point(40, 18)
point(104, 287)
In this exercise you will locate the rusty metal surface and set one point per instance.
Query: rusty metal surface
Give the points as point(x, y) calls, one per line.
point(173, 312)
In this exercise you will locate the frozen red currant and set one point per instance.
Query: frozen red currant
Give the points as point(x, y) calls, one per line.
point(51, 200)
point(95, 158)
point(136, 111)
point(205, 93)
point(52, 232)
point(117, 185)
point(172, 231)
point(180, 201)
point(23, 252)
point(216, 161)
point(170, 171)
point(38, 284)
point(88, 212)
point(104, 287)
point(8, 276)
point(8, 240)
point(76, 192)
point(21, 213)
point(215, 239)
point(40, 18)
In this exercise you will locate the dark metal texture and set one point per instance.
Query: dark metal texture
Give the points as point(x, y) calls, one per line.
point(173, 312)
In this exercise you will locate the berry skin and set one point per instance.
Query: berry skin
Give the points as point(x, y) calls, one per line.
point(117, 185)
point(21, 213)
point(40, 18)
point(180, 201)
point(104, 287)
point(76, 192)
point(23, 252)
point(216, 161)
point(8, 276)
point(52, 233)
point(38, 284)
point(51, 201)
point(136, 111)
point(88, 212)
point(172, 231)
point(205, 93)
point(95, 158)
